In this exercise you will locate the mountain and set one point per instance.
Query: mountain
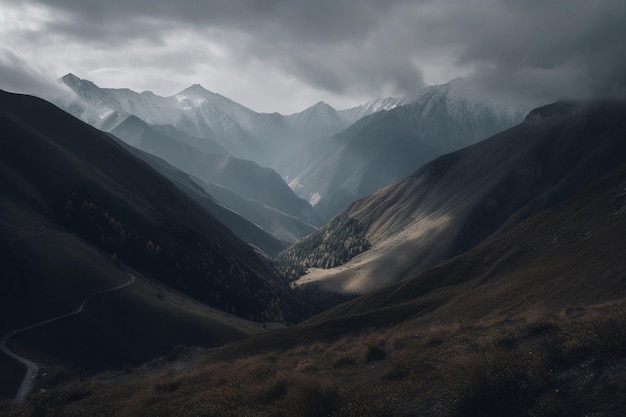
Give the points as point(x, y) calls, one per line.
point(243, 228)
point(257, 183)
point(204, 145)
point(322, 120)
point(80, 215)
point(95, 106)
point(318, 120)
point(195, 111)
point(462, 199)
point(560, 249)
point(386, 146)
point(92, 109)
point(243, 177)
point(201, 112)
point(282, 226)
point(530, 323)
point(269, 139)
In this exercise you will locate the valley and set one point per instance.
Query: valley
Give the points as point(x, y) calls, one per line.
point(312, 209)
point(435, 257)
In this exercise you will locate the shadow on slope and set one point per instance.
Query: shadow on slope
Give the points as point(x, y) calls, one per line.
point(473, 195)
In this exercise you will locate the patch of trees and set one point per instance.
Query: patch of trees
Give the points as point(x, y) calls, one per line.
point(333, 245)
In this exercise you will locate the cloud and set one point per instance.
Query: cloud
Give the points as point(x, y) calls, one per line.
point(546, 50)
point(325, 21)
point(18, 76)
point(533, 51)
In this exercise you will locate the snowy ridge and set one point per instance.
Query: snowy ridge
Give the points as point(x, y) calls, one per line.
point(373, 106)
point(269, 139)
point(200, 112)
point(455, 112)
point(387, 146)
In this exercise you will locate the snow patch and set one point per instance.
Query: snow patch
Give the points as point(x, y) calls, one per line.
point(314, 199)
point(106, 113)
point(188, 103)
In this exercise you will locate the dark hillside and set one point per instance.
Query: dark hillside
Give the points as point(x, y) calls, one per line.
point(79, 179)
point(240, 226)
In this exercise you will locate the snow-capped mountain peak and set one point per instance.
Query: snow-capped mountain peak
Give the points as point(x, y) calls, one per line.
point(201, 113)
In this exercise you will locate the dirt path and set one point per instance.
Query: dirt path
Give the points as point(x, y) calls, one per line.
point(31, 367)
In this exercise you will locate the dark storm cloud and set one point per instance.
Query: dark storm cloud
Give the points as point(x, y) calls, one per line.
point(313, 40)
point(541, 48)
point(534, 50)
point(319, 21)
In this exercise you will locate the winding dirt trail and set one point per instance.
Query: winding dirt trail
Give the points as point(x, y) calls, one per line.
point(31, 367)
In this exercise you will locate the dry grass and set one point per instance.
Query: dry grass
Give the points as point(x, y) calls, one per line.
point(536, 364)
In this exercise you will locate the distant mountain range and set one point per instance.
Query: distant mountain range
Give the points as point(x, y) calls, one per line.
point(190, 129)
point(329, 157)
point(462, 199)
point(200, 113)
point(386, 146)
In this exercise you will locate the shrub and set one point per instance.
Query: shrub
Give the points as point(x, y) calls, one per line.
point(312, 397)
point(374, 353)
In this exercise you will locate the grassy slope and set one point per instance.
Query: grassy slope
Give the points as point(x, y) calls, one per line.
point(54, 254)
point(533, 323)
point(48, 272)
point(470, 196)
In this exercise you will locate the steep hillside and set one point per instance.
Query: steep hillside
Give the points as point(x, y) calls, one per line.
point(257, 183)
point(204, 145)
point(565, 256)
point(387, 146)
point(195, 187)
point(243, 177)
point(280, 225)
point(464, 198)
point(48, 272)
point(531, 323)
point(80, 181)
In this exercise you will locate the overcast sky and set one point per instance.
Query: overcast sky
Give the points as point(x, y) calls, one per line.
point(284, 55)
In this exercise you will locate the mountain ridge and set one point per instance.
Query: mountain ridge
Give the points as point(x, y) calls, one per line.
point(461, 199)
point(243, 177)
point(386, 146)
point(270, 139)
point(89, 185)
